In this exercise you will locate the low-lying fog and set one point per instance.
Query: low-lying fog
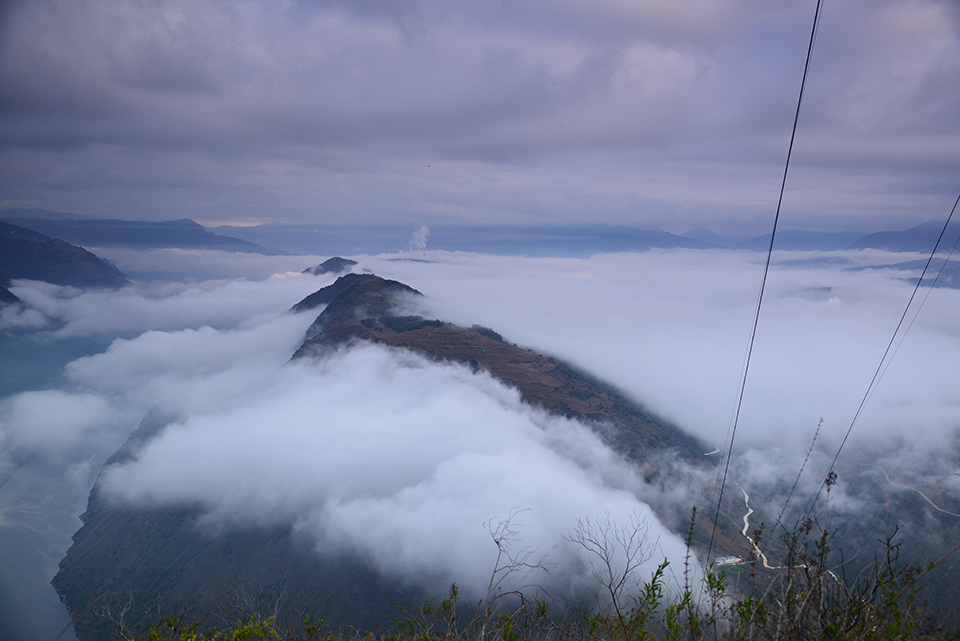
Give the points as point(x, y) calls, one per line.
point(404, 460)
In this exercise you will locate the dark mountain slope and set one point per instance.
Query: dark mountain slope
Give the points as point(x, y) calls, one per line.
point(31, 255)
point(131, 563)
point(366, 290)
point(6, 296)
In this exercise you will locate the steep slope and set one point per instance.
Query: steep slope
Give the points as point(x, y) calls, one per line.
point(364, 291)
point(28, 254)
point(365, 307)
point(129, 563)
point(6, 296)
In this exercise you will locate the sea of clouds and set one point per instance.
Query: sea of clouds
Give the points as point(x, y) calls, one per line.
point(409, 462)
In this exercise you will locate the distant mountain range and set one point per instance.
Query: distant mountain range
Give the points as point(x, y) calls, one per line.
point(921, 238)
point(154, 558)
point(797, 240)
point(566, 240)
point(138, 234)
point(525, 240)
point(539, 240)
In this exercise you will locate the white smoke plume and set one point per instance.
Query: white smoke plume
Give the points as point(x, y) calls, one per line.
point(418, 239)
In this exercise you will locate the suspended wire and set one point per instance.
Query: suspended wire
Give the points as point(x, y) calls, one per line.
point(885, 359)
point(903, 336)
point(766, 271)
point(886, 366)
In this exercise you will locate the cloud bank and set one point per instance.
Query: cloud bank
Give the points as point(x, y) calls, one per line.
point(393, 457)
point(671, 328)
point(403, 461)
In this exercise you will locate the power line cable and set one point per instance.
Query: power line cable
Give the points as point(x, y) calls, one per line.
point(766, 271)
point(936, 279)
point(896, 349)
point(877, 375)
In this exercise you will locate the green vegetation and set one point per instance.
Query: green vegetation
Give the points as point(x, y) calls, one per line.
point(801, 599)
point(809, 609)
point(486, 331)
point(408, 323)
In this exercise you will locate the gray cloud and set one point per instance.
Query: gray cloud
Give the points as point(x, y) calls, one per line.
point(173, 334)
point(394, 457)
point(54, 422)
point(671, 327)
point(427, 452)
point(670, 114)
point(161, 306)
point(19, 316)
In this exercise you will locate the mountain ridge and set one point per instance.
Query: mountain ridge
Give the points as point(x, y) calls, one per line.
point(364, 306)
point(920, 238)
point(158, 558)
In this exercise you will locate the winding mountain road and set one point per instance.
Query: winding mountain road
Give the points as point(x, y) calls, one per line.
point(746, 527)
point(758, 551)
point(913, 489)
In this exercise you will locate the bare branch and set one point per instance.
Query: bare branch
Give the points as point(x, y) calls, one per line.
point(616, 553)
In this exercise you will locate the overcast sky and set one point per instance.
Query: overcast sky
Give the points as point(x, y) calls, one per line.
point(425, 112)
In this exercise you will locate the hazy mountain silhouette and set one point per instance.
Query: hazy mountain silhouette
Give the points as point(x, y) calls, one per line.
point(335, 265)
point(508, 240)
point(799, 240)
point(139, 234)
point(921, 238)
point(31, 255)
